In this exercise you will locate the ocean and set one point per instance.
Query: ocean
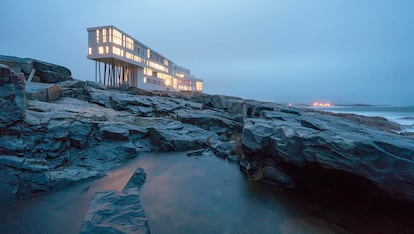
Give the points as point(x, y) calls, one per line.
point(401, 115)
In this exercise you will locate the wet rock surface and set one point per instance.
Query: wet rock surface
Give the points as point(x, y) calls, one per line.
point(293, 142)
point(118, 212)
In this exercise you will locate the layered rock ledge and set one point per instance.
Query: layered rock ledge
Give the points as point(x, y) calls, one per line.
point(77, 130)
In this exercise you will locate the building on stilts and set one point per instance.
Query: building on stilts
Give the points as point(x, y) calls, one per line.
point(121, 59)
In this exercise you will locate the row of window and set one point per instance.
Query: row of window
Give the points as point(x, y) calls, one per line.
point(168, 84)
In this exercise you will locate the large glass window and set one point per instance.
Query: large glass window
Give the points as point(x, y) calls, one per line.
point(129, 43)
point(104, 35)
point(117, 37)
point(199, 86)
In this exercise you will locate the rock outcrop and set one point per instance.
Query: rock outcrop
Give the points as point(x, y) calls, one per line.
point(73, 130)
point(12, 118)
point(45, 72)
point(283, 143)
point(118, 212)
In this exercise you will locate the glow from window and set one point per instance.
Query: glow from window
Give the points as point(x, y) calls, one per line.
point(199, 86)
point(129, 56)
point(104, 35)
point(89, 50)
point(158, 66)
point(110, 35)
point(116, 51)
point(167, 82)
point(129, 43)
point(175, 83)
point(107, 49)
point(148, 72)
point(145, 79)
point(179, 75)
point(122, 53)
point(97, 36)
point(148, 53)
point(165, 62)
point(100, 50)
point(117, 37)
point(138, 59)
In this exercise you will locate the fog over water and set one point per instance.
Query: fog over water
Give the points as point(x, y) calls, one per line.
point(285, 51)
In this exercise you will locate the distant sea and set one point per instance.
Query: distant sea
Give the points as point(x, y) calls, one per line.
point(401, 115)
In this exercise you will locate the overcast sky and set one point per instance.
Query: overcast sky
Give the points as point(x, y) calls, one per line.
point(300, 51)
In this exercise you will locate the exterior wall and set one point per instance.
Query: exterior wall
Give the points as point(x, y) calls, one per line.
point(150, 69)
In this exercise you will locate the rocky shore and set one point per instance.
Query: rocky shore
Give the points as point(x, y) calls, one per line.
point(59, 130)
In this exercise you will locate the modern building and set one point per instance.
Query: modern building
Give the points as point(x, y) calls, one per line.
point(121, 59)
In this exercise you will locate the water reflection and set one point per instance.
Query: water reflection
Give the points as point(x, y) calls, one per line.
point(209, 195)
point(62, 211)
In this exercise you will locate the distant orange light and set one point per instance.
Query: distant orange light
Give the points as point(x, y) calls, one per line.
point(322, 104)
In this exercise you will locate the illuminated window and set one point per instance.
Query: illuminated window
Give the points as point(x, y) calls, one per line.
point(89, 50)
point(179, 75)
point(129, 43)
point(110, 35)
point(145, 79)
point(117, 37)
point(97, 36)
point(104, 35)
point(129, 56)
point(175, 83)
point(116, 51)
point(122, 53)
point(148, 53)
point(165, 62)
point(199, 86)
point(107, 49)
point(123, 40)
point(158, 66)
point(100, 50)
point(138, 59)
point(148, 72)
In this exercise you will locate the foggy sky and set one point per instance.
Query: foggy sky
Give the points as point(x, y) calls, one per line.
point(300, 51)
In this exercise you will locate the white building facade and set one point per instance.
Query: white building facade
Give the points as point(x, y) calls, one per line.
point(121, 59)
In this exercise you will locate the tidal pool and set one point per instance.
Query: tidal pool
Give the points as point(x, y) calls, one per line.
point(207, 194)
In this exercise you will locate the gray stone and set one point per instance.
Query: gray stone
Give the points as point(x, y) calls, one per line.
point(335, 143)
point(12, 100)
point(114, 132)
point(115, 212)
point(43, 92)
point(17, 64)
point(51, 73)
point(136, 181)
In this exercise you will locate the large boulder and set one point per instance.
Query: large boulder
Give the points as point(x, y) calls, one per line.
point(118, 212)
point(299, 139)
point(51, 73)
point(47, 72)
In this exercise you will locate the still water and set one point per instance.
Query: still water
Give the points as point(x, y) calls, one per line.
point(209, 195)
